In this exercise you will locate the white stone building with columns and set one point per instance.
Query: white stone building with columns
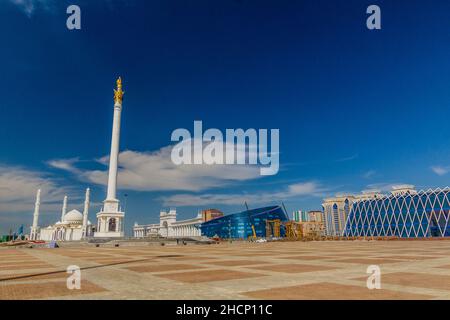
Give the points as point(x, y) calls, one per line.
point(169, 227)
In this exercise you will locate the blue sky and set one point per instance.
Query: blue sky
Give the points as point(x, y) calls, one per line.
point(356, 109)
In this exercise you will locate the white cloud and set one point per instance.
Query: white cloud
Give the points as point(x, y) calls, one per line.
point(294, 190)
point(64, 164)
point(349, 158)
point(18, 188)
point(440, 170)
point(369, 174)
point(154, 171)
point(30, 6)
point(383, 186)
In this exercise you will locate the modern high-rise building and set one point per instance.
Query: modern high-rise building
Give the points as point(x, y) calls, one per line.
point(296, 215)
point(404, 213)
point(337, 209)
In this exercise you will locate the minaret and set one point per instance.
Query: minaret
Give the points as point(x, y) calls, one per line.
point(110, 219)
point(86, 212)
point(35, 228)
point(64, 209)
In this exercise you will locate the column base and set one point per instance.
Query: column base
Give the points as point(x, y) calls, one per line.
point(104, 231)
point(108, 235)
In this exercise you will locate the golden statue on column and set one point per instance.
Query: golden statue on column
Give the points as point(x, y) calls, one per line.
point(118, 94)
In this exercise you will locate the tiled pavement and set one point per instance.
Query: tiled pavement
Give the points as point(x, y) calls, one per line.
point(277, 270)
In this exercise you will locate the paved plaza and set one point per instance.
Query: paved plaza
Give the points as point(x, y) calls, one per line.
point(275, 270)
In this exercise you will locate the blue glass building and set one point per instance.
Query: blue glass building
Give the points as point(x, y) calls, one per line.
point(239, 225)
point(405, 215)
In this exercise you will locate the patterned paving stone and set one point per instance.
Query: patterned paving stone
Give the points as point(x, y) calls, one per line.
point(412, 258)
point(34, 276)
point(208, 276)
point(369, 261)
point(163, 267)
point(234, 263)
point(12, 264)
point(44, 290)
point(444, 267)
point(24, 267)
point(196, 258)
point(331, 291)
point(294, 268)
point(421, 280)
point(111, 260)
point(411, 270)
point(306, 258)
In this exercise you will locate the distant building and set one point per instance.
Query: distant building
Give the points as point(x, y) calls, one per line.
point(315, 216)
point(312, 228)
point(240, 225)
point(169, 227)
point(210, 214)
point(337, 209)
point(404, 213)
point(73, 225)
point(300, 216)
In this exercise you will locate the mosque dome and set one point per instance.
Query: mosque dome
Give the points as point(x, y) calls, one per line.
point(73, 216)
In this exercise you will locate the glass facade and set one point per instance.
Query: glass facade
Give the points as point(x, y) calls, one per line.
point(336, 217)
point(335, 213)
point(239, 225)
point(415, 215)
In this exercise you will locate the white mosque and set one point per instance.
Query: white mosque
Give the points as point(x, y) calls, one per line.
point(74, 225)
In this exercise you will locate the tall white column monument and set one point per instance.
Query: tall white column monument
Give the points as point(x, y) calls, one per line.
point(110, 218)
point(34, 234)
